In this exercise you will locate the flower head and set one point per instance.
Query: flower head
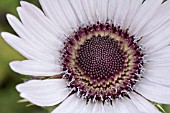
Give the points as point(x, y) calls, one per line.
point(94, 55)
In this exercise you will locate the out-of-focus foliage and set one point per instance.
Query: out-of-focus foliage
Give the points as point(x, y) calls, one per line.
point(8, 79)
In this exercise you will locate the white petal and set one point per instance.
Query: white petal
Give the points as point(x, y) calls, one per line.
point(69, 13)
point(77, 7)
point(154, 92)
point(72, 104)
point(53, 11)
point(27, 35)
point(101, 10)
point(44, 92)
point(157, 66)
point(34, 40)
point(133, 9)
point(142, 104)
point(98, 108)
point(88, 108)
point(159, 38)
point(122, 8)
point(162, 77)
point(81, 104)
point(154, 64)
point(35, 68)
point(143, 15)
point(158, 74)
point(12, 40)
point(39, 22)
point(160, 19)
point(125, 106)
point(29, 50)
point(109, 108)
point(112, 9)
point(89, 7)
point(158, 55)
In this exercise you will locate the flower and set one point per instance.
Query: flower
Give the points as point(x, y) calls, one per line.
point(93, 56)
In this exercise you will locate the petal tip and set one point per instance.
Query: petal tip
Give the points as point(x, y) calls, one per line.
point(19, 88)
point(24, 3)
point(5, 35)
point(13, 65)
point(18, 9)
point(9, 15)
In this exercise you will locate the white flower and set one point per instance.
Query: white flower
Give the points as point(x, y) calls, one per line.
point(97, 56)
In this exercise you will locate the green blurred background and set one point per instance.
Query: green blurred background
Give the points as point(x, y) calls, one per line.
point(8, 79)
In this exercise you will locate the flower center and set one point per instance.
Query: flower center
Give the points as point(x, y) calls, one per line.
point(102, 62)
point(99, 58)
